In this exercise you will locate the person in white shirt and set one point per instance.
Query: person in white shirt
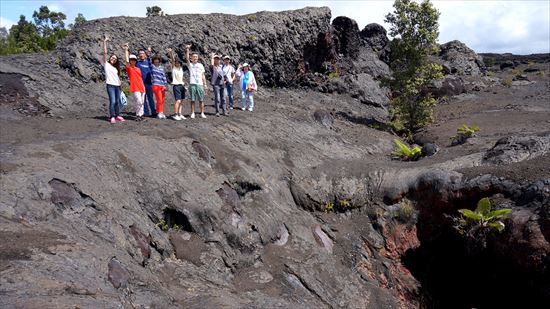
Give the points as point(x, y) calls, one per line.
point(178, 86)
point(197, 82)
point(248, 85)
point(112, 79)
point(229, 75)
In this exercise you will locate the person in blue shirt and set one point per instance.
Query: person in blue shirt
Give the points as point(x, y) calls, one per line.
point(144, 64)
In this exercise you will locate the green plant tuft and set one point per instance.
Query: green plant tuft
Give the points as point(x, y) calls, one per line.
point(463, 133)
point(483, 218)
point(405, 152)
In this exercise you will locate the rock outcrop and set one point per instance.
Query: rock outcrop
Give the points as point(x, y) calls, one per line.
point(460, 59)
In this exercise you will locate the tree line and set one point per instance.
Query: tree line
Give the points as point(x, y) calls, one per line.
point(44, 31)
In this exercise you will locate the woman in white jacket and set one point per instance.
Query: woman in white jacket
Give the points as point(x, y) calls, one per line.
point(248, 86)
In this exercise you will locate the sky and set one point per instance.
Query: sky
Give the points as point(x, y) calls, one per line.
point(519, 27)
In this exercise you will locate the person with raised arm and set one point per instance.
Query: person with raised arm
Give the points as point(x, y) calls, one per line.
point(248, 86)
point(137, 88)
point(112, 79)
point(217, 82)
point(197, 81)
point(144, 64)
point(159, 85)
point(178, 85)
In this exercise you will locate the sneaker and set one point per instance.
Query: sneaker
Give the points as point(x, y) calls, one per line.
point(119, 118)
point(203, 115)
point(192, 116)
point(217, 114)
point(176, 117)
point(243, 108)
point(113, 120)
point(162, 116)
point(231, 107)
point(182, 117)
point(249, 109)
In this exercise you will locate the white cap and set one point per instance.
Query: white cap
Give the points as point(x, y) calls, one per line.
point(245, 65)
point(133, 57)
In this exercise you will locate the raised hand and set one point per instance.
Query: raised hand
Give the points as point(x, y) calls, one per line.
point(188, 46)
point(126, 46)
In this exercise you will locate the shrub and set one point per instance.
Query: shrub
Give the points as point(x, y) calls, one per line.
point(405, 152)
point(252, 17)
point(507, 83)
point(463, 133)
point(340, 206)
point(483, 218)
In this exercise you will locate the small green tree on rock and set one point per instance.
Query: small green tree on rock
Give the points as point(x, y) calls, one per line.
point(415, 29)
point(154, 11)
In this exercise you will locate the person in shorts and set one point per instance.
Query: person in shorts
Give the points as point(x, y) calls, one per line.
point(178, 86)
point(197, 82)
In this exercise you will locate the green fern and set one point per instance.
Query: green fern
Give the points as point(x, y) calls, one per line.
point(405, 152)
point(483, 216)
point(463, 133)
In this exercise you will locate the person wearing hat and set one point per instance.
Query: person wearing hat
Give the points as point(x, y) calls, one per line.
point(197, 81)
point(137, 88)
point(248, 85)
point(217, 82)
point(229, 75)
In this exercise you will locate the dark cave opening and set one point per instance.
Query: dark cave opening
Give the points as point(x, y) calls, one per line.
point(452, 275)
point(175, 218)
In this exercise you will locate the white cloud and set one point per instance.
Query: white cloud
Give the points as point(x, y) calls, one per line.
point(4, 22)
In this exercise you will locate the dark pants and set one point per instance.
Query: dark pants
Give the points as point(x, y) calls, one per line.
point(149, 103)
point(114, 100)
point(229, 89)
point(219, 98)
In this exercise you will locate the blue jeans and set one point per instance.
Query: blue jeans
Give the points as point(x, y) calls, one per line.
point(229, 91)
point(250, 96)
point(219, 98)
point(114, 100)
point(149, 101)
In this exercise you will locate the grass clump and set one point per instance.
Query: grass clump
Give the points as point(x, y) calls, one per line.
point(507, 83)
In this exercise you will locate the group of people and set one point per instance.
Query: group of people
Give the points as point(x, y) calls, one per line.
point(147, 79)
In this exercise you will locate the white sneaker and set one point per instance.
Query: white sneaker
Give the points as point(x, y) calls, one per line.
point(249, 109)
point(161, 116)
point(182, 117)
point(192, 116)
point(203, 115)
point(243, 108)
point(176, 117)
point(231, 107)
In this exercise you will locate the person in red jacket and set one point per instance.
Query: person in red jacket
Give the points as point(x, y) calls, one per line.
point(137, 87)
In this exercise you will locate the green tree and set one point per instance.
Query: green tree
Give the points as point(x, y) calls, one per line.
point(415, 29)
point(78, 20)
point(51, 26)
point(154, 11)
point(48, 22)
point(23, 38)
